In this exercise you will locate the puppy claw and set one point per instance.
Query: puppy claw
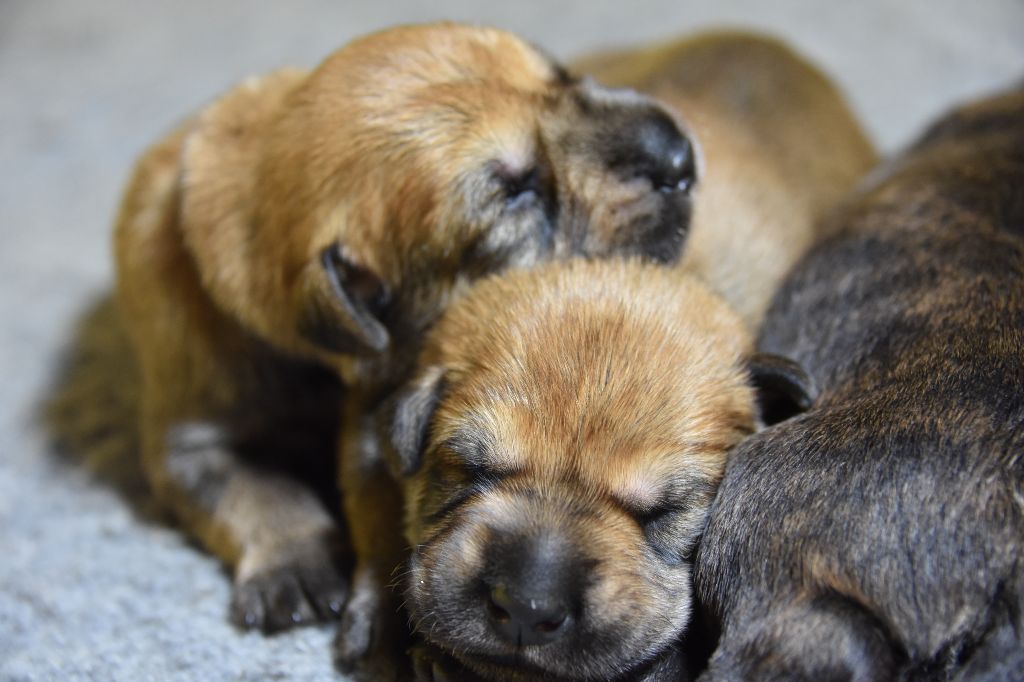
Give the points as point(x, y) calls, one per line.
point(356, 656)
point(247, 608)
point(369, 646)
point(354, 640)
point(306, 584)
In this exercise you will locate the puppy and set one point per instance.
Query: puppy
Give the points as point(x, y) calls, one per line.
point(881, 534)
point(310, 225)
point(766, 118)
point(778, 145)
point(561, 446)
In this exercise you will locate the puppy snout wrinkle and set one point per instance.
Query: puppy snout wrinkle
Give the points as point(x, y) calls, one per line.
point(529, 595)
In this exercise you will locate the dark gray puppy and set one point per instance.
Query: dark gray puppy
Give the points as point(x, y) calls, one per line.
point(880, 535)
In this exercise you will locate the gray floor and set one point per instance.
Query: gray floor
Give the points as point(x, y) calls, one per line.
point(88, 591)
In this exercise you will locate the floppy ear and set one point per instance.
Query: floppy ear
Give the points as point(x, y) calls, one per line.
point(783, 388)
point(414, 408)
point(342, 305)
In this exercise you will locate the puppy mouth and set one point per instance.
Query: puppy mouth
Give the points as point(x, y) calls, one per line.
point(523, 601)
point(665, 229)
point(506, 666)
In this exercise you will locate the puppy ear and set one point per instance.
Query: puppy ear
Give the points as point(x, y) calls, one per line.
point(414, 408)
point(342, 306)
point(783, 388)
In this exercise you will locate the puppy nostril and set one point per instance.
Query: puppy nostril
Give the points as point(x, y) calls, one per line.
point(497, 614)
point(527, 619)
point(549, 626)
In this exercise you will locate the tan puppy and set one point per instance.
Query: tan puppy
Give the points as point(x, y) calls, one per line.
point(778, 144)
point(320, 219)
point(554, 539)
point(563, 443)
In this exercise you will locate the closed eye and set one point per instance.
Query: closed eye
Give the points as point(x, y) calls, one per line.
point(652, 517)
point(471, 453)
point(464, 496)
point(658, 526)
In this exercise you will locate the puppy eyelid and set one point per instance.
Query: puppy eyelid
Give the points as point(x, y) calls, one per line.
point(658, 512)
point(459, 499)
point(471, 453)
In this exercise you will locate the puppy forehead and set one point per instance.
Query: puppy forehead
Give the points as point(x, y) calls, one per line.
point(406, 58)
point(637, 466)
point(597, 372)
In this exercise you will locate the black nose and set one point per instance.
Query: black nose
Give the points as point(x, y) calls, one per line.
point(527, 617)
point(655, 149)
point(531, 596)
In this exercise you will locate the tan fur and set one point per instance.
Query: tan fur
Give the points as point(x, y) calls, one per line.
point(389, 156)
point(312, 224)
point(589, 391)
point(779, 146)
point(593, 393)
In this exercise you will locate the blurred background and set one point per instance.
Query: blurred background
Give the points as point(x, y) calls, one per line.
point(88, 590)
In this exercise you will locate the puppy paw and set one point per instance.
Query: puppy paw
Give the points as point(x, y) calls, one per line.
point(372, 638)
point(362, 657)
point(354, 639)
point(304, 581)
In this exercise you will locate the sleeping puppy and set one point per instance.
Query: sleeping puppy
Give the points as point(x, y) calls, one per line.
point(881, 534)
point(311, 224)
point(560, 447)
point(776, 145)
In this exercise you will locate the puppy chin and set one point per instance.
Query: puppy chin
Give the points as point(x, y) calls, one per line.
point(653, 228)
point(666, 230)
point(450, 604)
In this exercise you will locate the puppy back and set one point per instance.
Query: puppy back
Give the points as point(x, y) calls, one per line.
point(930, 247)
point(894, 503)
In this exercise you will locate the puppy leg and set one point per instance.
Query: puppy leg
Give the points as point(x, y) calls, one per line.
point(209, 392)
point(225, 476)
point(373, 638)
point(289, 555)
point(285, 548)
point(827, 637)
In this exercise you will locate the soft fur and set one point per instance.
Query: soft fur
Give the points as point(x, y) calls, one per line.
point(308, 225)
point(562, 444)
point(881, 534)
point(777, 145)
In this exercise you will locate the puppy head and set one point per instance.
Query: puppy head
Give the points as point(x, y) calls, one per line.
point(337, 211)
point(561, 448)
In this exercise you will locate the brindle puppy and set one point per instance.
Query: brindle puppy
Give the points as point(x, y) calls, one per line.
point(881, 535)
point(315, 220)
point(562, 445)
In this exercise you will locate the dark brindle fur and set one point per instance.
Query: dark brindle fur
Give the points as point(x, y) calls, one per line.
point(881, 534)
